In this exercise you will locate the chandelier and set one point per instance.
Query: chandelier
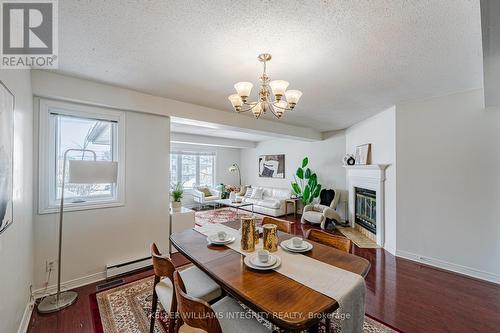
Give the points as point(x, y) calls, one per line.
point(277, 107)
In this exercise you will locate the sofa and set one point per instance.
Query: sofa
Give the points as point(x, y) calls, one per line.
point(267, 200)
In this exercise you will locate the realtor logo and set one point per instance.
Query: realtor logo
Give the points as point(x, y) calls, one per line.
point(29, 34)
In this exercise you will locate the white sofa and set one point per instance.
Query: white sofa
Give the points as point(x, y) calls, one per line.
point(272, 201)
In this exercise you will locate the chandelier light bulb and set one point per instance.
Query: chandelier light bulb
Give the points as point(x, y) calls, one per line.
point(278, 88)
point(292, 97)
point(236, 101)
point(257, 110)
point(243, 89)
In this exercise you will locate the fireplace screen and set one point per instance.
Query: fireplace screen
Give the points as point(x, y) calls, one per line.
point(366, 209)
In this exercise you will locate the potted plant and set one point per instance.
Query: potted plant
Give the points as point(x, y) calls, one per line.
point(177, 192)
point(306, 186)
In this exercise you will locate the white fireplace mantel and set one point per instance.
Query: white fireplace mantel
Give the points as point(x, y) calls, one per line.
point(371, 177)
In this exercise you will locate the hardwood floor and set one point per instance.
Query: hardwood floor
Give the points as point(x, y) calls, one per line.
point(401, 293)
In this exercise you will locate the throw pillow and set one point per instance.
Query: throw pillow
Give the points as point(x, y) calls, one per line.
point(248, 193)
point(257, 194)
point(205, 191)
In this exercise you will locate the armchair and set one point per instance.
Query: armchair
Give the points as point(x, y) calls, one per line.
point(324, 211)
point(204, 194)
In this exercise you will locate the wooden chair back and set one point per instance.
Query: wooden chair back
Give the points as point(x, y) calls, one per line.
point(162, 266)
point(338, 242)
point(193, 311)
point(284, 226)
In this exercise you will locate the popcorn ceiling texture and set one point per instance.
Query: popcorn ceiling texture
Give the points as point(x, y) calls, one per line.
point(350, 58)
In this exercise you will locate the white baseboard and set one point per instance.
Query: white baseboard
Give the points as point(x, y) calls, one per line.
point(71, 284)
point(472, 272)
point(25, 320)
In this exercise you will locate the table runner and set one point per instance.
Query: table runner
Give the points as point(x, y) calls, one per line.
point(347, 288)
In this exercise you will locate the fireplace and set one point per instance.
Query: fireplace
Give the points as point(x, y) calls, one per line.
point(365, 184)
point(366, 209)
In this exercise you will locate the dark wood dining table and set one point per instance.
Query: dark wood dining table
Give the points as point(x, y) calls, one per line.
point(283, 301)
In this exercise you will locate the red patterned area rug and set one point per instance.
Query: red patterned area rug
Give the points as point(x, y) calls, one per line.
point(127, 309)
point(221, 215)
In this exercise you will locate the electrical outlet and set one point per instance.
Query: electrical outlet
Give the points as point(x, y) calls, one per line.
point(49, 265)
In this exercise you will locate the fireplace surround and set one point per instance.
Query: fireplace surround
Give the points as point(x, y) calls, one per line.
point(370, 181)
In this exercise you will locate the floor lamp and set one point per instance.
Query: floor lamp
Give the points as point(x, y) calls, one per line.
point(79, 172)
point(235, 167)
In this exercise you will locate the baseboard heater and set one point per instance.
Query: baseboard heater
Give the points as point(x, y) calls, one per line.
point(127, 267)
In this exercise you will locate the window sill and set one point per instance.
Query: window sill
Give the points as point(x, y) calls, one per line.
point(71, 207)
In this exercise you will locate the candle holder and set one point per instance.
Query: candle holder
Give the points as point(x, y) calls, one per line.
point(270, 237)
point(247, 234)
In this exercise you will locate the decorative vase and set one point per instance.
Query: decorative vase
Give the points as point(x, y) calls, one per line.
point(247, 234)
point(270, 238)
point(176, 205)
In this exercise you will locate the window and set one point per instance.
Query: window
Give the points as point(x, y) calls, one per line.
point(192, 168)
point(66, 126)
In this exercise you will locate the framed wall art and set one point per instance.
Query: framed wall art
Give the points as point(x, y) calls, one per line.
point(272, 166)
point(6, 156)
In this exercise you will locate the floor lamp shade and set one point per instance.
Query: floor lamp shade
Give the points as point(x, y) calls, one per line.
point(92, 172)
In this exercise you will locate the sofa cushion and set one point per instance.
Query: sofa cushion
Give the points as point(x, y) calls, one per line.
point(269, 203)
point(257, 193)
point(248, 193)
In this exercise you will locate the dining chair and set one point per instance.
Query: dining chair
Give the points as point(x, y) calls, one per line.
point(284, 226)
point(338, 242)
point(197, 316)
point(199, 285)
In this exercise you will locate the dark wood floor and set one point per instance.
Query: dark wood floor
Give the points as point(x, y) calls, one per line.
point(404, 294)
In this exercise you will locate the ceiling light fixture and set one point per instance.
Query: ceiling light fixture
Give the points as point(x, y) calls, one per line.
point(278, 107)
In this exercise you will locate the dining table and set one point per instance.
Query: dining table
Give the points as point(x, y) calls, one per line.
point(286, 303)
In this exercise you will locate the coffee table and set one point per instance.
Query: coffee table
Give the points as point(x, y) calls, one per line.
point(229, 203)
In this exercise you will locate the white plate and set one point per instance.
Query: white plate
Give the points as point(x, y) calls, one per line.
point(214, 239)
point(287, 245)
point(249, 264)
point(254, 260)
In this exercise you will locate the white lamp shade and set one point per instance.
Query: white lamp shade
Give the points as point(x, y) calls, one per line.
point(293, 96)
point(92, 172)
point(235, 100)
point(282, 105)
point(257, 110)
point(278, 87)
point(243, 88)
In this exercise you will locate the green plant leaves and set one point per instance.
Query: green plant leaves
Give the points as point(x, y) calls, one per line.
point(308, 190)
point(300, 173)
point(316, 191)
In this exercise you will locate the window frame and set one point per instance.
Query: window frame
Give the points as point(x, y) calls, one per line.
point(47, 149)
point(197, 153)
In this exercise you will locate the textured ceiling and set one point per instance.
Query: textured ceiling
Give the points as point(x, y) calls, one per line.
point(350, 58)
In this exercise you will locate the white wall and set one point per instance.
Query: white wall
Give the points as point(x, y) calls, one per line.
point(225, 158)
point(448, 183)
point(52, 85)
point(95, 238)
point(325, 158)
point(16, 243)
point(380, 131)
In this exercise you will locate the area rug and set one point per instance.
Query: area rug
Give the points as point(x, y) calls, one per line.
point(358, 238)
point(127, 309)
point(220, 215)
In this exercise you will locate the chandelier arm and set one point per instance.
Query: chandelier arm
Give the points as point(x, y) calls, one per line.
point(250, 108)
point(274, 104)
point(271, 107)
